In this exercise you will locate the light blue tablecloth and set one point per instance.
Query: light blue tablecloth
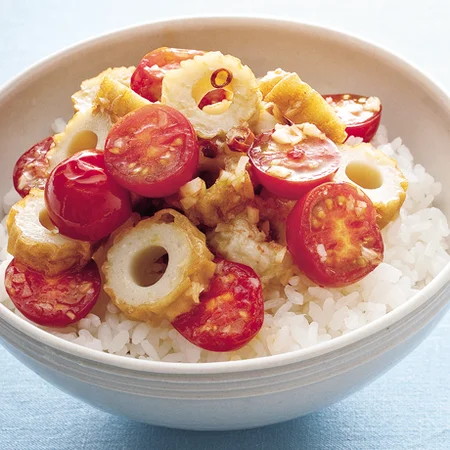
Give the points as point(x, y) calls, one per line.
point(408, 408)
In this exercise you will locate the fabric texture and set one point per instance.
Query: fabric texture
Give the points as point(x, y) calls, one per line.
point(408, 408)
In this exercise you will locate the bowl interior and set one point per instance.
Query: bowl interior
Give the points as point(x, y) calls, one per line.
point(413, 107)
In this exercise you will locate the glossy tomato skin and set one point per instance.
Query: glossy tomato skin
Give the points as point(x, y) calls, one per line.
point(152, 151)
point(31, 169)
point(333, 236)
point(363, 125)
point(230, 312)
point(301, 159)
point(83, 201)
point(53, 302)
point(149, 74)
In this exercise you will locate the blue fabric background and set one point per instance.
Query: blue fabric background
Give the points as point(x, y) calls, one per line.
point(408, 408)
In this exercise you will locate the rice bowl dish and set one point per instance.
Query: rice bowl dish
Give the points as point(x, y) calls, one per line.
point(256, 391)
point(297, 312)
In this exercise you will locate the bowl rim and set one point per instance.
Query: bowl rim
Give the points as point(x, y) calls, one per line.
point(210, 368)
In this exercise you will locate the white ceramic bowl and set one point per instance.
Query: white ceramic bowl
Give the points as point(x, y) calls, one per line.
point(257, 392)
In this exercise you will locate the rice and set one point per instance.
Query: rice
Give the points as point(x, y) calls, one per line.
point(298, 315)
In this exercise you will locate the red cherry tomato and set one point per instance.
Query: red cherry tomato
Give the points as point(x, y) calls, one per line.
point(289, 171)
point(333, 236)
point(148, 76)
point(53, 302)
point(31, 168)
point(361, 119)
point(83, 201)
point(230, 312)
point(152, 151)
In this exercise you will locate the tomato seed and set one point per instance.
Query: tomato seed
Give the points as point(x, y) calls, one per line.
point(319, 212)
point(84, 288)
point(341, 200)
point(315, 224)
point(361, 262)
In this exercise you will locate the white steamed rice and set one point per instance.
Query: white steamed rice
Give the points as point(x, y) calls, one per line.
point(300, 315)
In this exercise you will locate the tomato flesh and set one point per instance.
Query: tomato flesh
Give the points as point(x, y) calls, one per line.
point(289, 171)
point(31, 169)
point(83, 201)
point(53, 302)
point(149, 74)
point(152, 151)
point(333, 236)
point(353, 110)
point(230, 312)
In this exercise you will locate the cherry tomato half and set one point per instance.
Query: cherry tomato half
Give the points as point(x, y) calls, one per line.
point(54, 302)
point(31, 169)
point(230, 312)
point(289, 171)
point(83, 201)
point(152, 151)
point(333, 236)
point(361, 116)
point(148, 76)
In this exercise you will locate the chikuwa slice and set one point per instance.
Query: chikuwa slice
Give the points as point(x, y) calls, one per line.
point(298, 102)
point(36, 242)
point(116, 99)
point(230, 86)
point(229, 195)
point(84, 98)
point(134, 273)
point(85, 131)
point(270, 79)
point(377, 175)
point(89, 128)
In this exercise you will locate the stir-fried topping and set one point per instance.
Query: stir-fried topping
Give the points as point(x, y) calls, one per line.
point(250, 166)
